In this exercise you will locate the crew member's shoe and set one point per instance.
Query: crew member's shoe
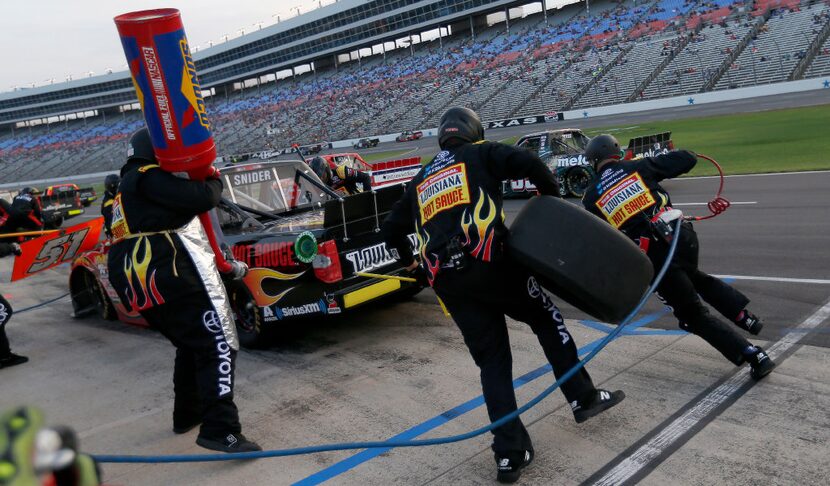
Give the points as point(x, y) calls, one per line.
point(510, 465)
point(231, 443)
point(599, 401)
point(12, 360)
point(749, 322)
point(760, 364)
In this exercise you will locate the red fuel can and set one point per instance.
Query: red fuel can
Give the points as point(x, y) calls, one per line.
point(164, 76)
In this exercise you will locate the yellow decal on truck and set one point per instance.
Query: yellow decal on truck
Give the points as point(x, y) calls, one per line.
point(370, 292)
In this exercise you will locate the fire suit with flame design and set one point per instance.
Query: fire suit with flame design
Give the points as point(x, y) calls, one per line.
point(455, 205)
point(161, 265)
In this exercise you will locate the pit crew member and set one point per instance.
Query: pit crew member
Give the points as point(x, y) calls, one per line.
point(110, 190)
point(343, 178)
point(161, 265)
point(24, 211)
point(455, 204)
point(628, 195)
point(7, 358)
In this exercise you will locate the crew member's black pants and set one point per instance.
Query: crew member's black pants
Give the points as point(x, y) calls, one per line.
point(204, 373)
point(478, 299)
point(5, 315)
point(684, 285)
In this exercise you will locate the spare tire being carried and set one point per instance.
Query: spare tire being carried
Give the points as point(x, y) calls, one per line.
point(580, 258)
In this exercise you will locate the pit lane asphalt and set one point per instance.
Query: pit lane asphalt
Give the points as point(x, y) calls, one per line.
point(380, 371)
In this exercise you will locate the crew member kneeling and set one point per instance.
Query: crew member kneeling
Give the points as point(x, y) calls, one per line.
point(455, 204)
point(161, 265)
point(628, 195)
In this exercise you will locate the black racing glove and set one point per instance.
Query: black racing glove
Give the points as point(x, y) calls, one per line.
point(16, 249)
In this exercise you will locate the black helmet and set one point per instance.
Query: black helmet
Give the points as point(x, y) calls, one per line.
point(141, 147)
point(461, 123)
point(111, 183)
point(602, 147)
point(321, 168)
point(32, 191)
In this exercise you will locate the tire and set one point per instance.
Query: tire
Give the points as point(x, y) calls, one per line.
point(99, 298)
point(578, 179)
point(580, 258)
point(249, 319)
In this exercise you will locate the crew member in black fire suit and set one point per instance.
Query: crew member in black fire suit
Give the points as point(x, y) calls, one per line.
point(24, 211)
point(628, 195)
point(455, 206)
point(7, 358)
point(110, 190)
point(161, 265)
point(341, 179)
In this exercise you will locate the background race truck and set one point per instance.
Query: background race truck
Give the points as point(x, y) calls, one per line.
point(86, 194)
point(56, 207)
point(366, 143)
point(409, 135)
point(303, 244)
point(563, 151)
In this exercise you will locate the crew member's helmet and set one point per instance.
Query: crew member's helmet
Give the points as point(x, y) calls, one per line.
point(320, 166)
point(111, 183)
point(461, 123)
point(32, 191)
point(602, 147)
point(141, 148)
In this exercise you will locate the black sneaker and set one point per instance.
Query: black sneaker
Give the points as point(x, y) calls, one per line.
point(760, 364)
point(510, 466)
point(231, 443)
point(600, 401)
point(12, 360)
point(749, 322)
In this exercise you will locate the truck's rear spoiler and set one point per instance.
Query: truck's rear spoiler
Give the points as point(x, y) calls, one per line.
point(649, 145)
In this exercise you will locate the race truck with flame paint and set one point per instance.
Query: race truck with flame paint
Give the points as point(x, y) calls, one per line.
point(303, 244)
point(563, 151)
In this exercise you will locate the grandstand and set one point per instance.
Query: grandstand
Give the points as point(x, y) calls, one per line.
point(567, 58)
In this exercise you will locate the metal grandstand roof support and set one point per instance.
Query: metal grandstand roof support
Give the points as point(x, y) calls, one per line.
point(440, 39)
point(588, 7)
point(507, 18)
point(545, 11)
point(472, 28)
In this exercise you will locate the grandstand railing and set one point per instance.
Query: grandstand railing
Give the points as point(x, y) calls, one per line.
point(684, 41)
point(727, 63)
point(812, 51)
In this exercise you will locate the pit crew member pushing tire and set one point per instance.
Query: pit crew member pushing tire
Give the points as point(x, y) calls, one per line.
point(161, 265)
point(455, 204)
point(628, 195)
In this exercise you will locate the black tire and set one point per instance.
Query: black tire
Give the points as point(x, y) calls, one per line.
point(99, 298)
point(249, 319)
point(580, 258)
point(578, 179)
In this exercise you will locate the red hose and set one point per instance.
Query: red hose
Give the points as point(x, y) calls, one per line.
point(717, 205)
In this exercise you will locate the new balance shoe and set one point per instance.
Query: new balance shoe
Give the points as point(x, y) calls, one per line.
point(231, 443)
point(760, 364)
point(749, 322)
point(12, 360)
point(510, 466)
point(598, 402)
